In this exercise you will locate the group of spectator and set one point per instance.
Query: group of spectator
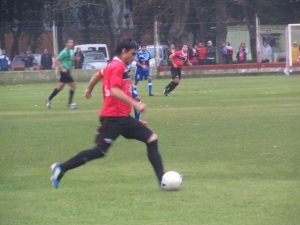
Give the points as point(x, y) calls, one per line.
point(45, 61)
point(202, 54)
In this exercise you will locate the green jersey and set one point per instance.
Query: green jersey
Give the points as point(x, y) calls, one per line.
point(66, 57)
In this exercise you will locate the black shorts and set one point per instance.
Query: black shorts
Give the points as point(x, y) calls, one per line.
point(66, 77)
point(128, 127)
point(175, 72)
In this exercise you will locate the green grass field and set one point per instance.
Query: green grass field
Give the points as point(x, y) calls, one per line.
point(235, 139)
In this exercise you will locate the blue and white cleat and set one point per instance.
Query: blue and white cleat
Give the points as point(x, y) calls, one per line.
point(56, 174)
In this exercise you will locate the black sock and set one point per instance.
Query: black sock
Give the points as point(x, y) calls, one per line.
point(71, 94)
point(54, 92)
point(155, 159)
point(168, 87)
point(82, 158)
point(172, 86)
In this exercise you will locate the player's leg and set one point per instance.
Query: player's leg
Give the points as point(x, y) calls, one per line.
point(108, 131)
point(137, 114)
point(55, 91)
point(73, 87)
point(154, 156)
point(150, 84)
point(174, 84)
point(59, 169)
point(137, 78)
point(70, 81)
point(176, 76)
point(142, 133)
point(135, 95)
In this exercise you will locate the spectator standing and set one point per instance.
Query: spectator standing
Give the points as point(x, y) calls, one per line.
point(269, 38)
point(243, 45)
point(266, 52)
point(210, 53)
point(201, 54)
point(193, 54)
point(4, 61)
point(46, 60)
point(241, 55)
point(229, 57)
point(295, 52)
point(28, 60)
point(79, 58)
point(223, 51)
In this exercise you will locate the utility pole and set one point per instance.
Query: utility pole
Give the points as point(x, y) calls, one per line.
point(156, 41)
point(54, 32)
point(258, 56)
point(55, 45)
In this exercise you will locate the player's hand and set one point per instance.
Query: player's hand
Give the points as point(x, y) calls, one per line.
point(145, 67)
point(63, 70)
point(140, 107)
point(87, 93)
point(137, 98)
point(174, 65)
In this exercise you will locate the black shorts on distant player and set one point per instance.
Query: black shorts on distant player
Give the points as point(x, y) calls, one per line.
point(66, 77)
point(175, 73)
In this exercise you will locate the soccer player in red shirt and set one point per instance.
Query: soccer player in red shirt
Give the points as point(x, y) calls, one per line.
point(114, 115)
point(178, 59)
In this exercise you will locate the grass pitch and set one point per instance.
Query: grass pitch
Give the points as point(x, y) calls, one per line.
point(235, 139)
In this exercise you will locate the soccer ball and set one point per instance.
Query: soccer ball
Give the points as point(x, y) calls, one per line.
point(171, 181)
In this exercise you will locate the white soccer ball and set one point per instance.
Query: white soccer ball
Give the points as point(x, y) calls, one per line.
point(171, 181)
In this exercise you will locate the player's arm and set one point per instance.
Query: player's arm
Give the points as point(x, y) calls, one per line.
point(92, 83)
point(139, 64)
point(119, 94)
point(189, 62)
point(60, 66)
point(171, 58)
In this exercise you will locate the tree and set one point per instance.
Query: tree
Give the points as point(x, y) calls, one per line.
point(221, 25)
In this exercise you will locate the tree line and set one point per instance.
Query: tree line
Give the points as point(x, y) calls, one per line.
point(106, 21)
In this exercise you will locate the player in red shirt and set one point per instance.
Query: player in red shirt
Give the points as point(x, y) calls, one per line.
point(115, 116)
point(134, 95)
point(178, 59)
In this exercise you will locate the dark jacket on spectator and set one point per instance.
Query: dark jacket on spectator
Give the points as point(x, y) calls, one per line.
point(210, 55)
point(46, 61)
point(79, 58)
point(28, 60)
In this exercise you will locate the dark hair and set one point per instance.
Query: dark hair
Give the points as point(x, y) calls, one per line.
point(69, 39)
point(143, 45)
point(126, 44)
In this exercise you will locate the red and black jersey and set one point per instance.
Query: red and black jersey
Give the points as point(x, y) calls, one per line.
point(116, 75)
point(180, 58)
